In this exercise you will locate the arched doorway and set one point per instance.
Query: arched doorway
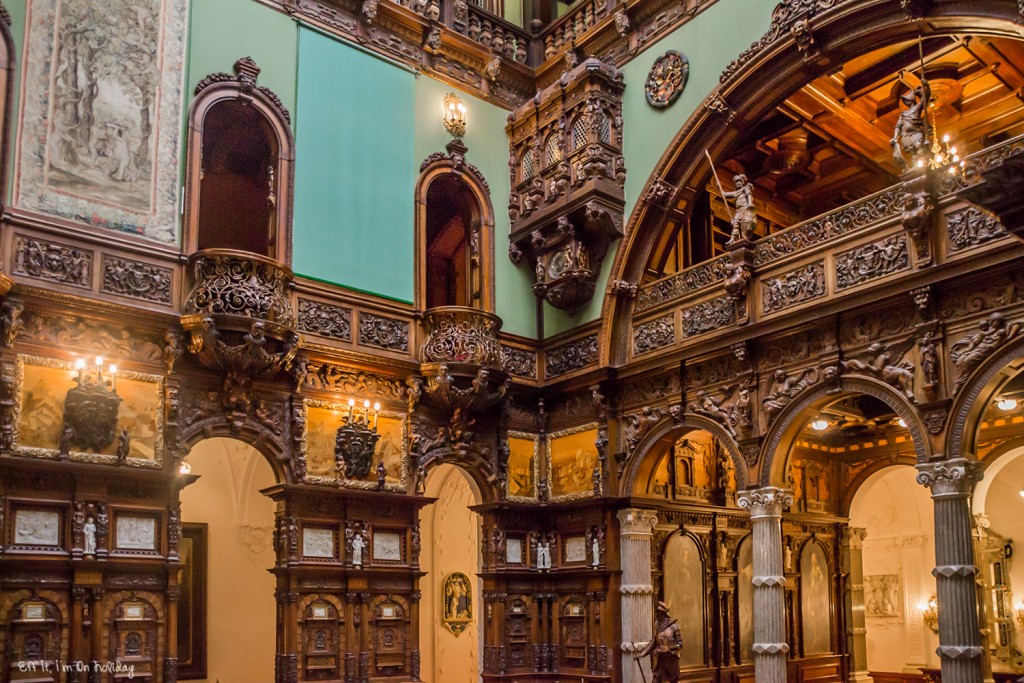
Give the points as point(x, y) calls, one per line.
point(450, 610)
point(896, 559)
point(225, 514)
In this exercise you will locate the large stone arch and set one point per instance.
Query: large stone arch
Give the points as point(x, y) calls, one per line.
point(806, 39)
point(969, 404)
point(683, 423)
point(783, 430)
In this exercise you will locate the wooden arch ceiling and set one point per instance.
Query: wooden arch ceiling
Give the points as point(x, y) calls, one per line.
point(827, 144)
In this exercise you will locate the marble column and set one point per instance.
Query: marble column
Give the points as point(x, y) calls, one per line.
point(856, 627)
point(770, 647)
point(960, 651)
point(636, 528)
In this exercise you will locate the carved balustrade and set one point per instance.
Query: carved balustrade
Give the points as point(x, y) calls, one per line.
point(571, 26)
point(922, 222)
point(238, 313)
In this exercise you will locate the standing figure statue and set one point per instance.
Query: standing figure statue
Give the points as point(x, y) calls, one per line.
point(908, 140)
point(744, 218)
point(664, 648)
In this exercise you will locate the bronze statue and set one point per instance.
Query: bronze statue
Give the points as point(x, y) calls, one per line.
point(664, 648)
point(908, 140)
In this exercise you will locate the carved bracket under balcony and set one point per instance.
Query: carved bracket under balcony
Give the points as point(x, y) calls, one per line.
point(238, 316)
point(462, 361)
point(999, 191)
point(568, 173)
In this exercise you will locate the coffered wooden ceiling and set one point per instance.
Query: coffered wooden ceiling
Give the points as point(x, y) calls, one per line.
point(828, 143)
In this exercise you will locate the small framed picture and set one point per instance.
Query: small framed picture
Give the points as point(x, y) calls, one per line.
point(318, 543)
point(33, 611)
point(514, 551)
point(135, 532)
point(387, 547)
point(37, 527)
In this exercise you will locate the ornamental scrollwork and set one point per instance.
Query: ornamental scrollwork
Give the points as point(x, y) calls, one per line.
point(519, 362)
point(384, 333)
point(796, 286)
point(950, 477)
point(325, 319)
point(666, 79)
point(240, 284)
point(970, 227)
point(136, 280)
point(653, 335)
point(456, 334)
point(871, 261)
point(572, 356)
point(709, 315)
point(689, 280)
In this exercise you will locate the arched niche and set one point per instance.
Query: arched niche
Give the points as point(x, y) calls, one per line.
point(454, 234)
point(795, 420)
point(804, 41)
point(240, 167)
point(685, 567)
point(650, 452)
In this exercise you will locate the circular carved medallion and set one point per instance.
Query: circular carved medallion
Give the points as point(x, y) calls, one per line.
point(667, 79)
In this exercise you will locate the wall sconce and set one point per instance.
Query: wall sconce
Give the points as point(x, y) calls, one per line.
point(185, 467)
point(355, 440)
point(819, 425)
point(454, 115)
point(930, 614)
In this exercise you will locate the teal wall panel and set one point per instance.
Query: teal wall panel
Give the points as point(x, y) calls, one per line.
point(354, 169)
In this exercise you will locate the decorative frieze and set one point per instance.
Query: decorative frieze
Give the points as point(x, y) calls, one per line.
point(884, 205)
point(569, 357)
point(52, 261)
point(709, 315)
point(653, 335)
point(136, 279)
point(970, 227)
point(341, 379)
point(519, 362)
point(384, 333)
point(796, 286)
point(871, 261)
point(327, 320)
point(686, 281)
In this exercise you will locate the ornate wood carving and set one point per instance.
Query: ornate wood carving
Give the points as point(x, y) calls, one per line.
point(569, 357)
point(136, 279)
point(871, 261)
point(970, 227)
point(51, 261)
point(383, 333)
point(968, 353)
point(690, 280)
point(796, 286)
point(654, 335)
point(519, 362)
point(666, 79)
point(325, 319)
point(708, 316)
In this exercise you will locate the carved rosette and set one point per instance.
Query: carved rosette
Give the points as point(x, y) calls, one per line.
point(457, 334)
point(238, 314)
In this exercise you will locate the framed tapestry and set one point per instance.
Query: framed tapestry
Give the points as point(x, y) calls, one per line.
point(101, 102)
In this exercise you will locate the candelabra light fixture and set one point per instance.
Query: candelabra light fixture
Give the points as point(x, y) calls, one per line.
point(91, 408)
point(355, 440)
point(930, 613)
point(454, 115)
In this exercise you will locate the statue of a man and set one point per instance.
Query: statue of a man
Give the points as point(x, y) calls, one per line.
point(744, 217)
point(357, 549)
point(664, 648)
point(908, 140)
point(89, 536)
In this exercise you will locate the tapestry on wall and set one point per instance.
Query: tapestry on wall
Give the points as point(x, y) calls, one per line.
point(100, 119)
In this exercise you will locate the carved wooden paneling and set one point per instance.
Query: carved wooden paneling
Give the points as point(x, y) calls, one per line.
point(53, 261)
point(871, 261)
point(325, 319)
point(136, 279)
point(569, 357)
point(794, 287)
point(383, 333)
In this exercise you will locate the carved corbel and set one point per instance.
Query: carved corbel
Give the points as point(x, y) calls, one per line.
point(623, 288)
point(805, 42)
point(660, 193)
point(917, 218)
point(368, 11)
point(716, 104)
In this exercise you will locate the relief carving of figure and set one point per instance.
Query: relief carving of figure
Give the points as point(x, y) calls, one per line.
point(878, 364)
point(968, 353)
point(785, 388)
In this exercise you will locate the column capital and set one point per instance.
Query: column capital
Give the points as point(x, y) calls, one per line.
point(953, 478)
point(853, 537)
point(766, 501)
point(636, 522)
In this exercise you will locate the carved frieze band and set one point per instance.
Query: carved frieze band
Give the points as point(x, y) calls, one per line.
point(802, 284)
point(325, 319)
point(383, 333)
point(877, 207)
point(970, 227)
point(572, 356)
point(136, 279)
point(709, 315)
point(52, 261)
point(340, 379)
point(656, 334)
point(689, 280)
point(871, 261)
point(519, 362)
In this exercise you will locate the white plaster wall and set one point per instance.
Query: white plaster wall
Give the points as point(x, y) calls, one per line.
point(241, 611)
point(897, 512)
point(451, 542)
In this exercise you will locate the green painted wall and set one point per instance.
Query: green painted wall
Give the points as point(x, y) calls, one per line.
point(488, 151)
point(710, 42)
point(354, 169)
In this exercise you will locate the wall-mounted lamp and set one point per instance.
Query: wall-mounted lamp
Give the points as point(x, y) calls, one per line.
point(930, 614)
point(355, 440)
point(902, 423)
point(820, 424)
point(1018, 611)
point(454, 115)
point(184, 467)
point(1007, 404)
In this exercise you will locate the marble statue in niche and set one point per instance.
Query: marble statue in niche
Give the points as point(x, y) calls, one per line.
point(89, 535)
